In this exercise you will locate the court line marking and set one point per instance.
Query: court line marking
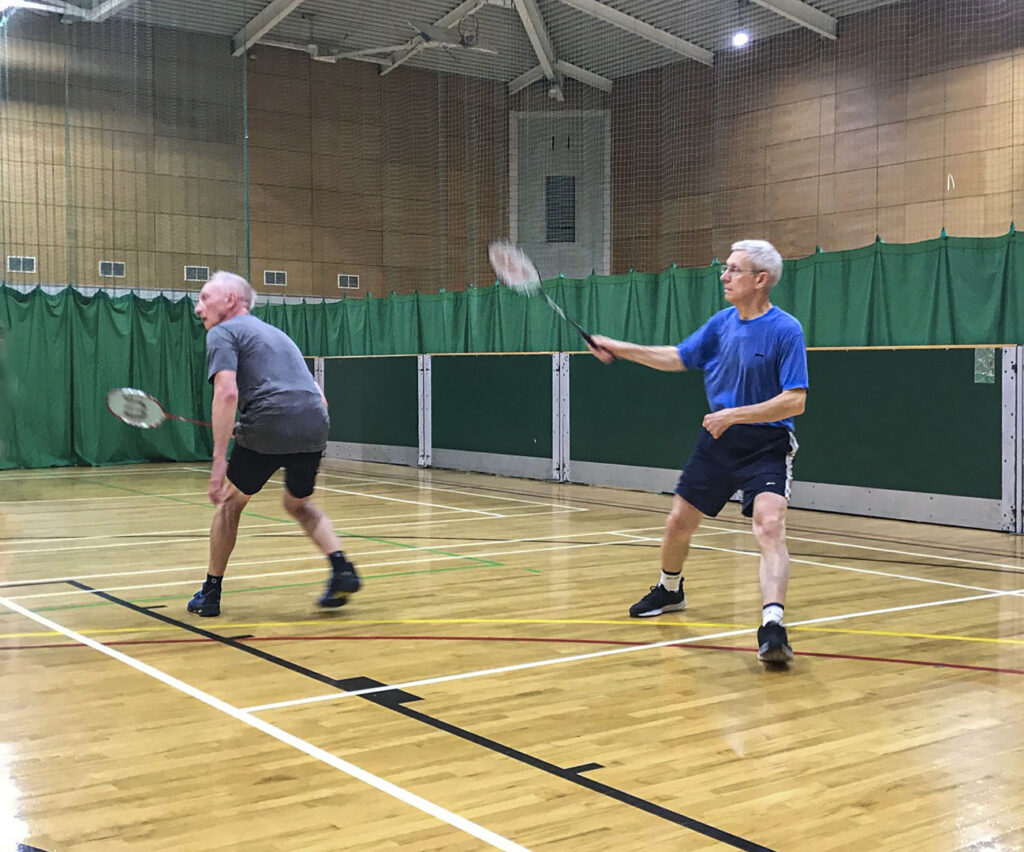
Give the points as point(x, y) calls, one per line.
point(892, 574)
point(561, 547)
point(551, 661)
point(192, 581)
point(747, 531)
point(294, 528)
point(558, 547)
point(197, 567)
point(371, 496)
point(408, 502)
point(405, 796)
point(94, 499)
point(205, 529)
point(419, 486)
point(79, 473)
point(564, 622)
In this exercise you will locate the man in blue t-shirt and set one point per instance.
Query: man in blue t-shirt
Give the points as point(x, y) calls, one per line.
point(755, 374)
point(258, 371)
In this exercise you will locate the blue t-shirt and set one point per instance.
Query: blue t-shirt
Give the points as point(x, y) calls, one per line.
point(747, 361)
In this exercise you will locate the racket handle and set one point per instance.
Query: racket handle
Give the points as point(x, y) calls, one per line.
point(590, 340)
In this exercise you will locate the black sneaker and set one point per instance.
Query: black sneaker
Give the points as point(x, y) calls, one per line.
point(205, 603)
point(659, 600)
point(343, 582)
point(773, 644)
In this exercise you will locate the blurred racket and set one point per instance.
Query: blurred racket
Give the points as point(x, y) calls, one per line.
point(517, 272)
point(138, 408)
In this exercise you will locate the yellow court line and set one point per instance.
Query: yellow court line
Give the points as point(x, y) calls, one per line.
point(556, 621)
point(895, 634)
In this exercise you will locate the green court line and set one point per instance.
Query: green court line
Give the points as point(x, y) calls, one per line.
point(489, 562)
point(181, 596)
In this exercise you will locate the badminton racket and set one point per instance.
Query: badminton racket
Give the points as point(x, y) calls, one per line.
point(516, 271)
point(138, 408)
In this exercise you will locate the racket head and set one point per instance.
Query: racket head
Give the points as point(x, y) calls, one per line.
point(135, 407)
point(513, 268)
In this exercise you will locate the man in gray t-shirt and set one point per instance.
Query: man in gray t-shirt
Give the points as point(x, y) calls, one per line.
point(258, 370)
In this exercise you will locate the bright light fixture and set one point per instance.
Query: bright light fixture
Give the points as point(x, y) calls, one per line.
point(740, 39)
point(6, 5)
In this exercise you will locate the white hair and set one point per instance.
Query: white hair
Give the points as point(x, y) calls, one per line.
point(235, 284)
point(764, 257)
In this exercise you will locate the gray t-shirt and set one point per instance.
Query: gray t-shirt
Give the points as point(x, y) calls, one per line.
point(280, 410)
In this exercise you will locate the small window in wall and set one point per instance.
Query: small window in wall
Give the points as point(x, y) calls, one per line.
point(348, 282)
point(275, 278)
point(560, 208)
point(20, 264)
point(111, 269)
point(197, 273)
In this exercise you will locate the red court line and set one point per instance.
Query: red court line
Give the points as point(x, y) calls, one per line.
point(853, 657)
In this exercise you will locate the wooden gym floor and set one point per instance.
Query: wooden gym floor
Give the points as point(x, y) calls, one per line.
point(486, 687)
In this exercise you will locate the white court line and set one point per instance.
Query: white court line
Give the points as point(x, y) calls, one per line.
point(411, 502)
point(47, 550)
point(850, 568)
point(393, 790)
point(477, 494)
point(349, 532)
point(362, 566)
point(930, 556)
point(552, 661)
point(65, 578)
point(94, 499)
point(925, 556)
point(514, 552)
point(293, 526)
point(77, 473)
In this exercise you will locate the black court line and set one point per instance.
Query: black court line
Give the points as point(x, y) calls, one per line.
point(395, 700)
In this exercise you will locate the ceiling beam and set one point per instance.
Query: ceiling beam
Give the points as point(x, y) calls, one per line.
point(107, 10)
point(463, 10)
point(533, 23)
point(643, 29)
point(584, 76)
point(272, 14)
point(803, 14)
point(526, 79)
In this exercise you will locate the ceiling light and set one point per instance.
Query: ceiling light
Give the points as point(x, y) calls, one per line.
point(740, 38)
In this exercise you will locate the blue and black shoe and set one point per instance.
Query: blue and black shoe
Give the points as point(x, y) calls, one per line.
point(773, 644)
point(657, 601)
point(205, 603)
point(344, 581)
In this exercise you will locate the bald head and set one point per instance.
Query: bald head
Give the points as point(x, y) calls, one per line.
point(228, 282)
point(224, 296)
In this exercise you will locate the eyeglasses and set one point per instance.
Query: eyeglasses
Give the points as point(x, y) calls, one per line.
point(735, 270)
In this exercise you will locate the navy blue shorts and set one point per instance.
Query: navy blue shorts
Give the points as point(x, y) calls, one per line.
point(249, 470)
point(748, 458)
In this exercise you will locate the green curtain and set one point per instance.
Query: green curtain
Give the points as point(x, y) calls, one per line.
point(64, 351)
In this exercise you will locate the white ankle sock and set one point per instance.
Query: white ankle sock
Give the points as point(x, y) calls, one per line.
point(772, 612)
point(671, 581)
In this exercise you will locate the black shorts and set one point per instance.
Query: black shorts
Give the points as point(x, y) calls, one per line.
point(249, 471)
point(748, 458)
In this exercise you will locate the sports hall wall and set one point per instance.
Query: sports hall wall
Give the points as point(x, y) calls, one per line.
point(125, 141)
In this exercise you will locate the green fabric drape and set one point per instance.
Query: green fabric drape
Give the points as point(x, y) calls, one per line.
point(63, 352)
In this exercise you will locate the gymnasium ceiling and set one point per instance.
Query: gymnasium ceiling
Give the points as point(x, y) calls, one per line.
point(595, 41)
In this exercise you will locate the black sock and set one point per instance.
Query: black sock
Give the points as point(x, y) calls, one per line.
point(212, 583)
point(338, 560)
